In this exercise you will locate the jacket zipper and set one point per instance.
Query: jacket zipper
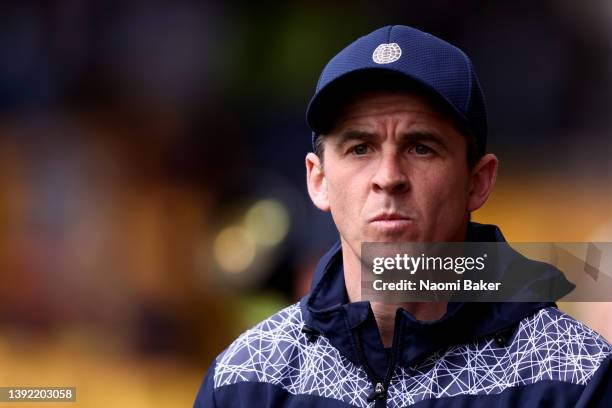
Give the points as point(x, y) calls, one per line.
point(379, 393)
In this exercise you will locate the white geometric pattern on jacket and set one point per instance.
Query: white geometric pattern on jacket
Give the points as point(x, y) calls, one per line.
point(549, 345)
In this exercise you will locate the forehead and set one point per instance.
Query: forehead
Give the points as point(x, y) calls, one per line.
point(370, 106)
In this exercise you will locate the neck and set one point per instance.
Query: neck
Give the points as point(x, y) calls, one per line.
point(384, 313)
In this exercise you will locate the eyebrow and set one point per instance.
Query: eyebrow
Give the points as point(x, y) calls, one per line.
point(353, 134)
point(413, 136)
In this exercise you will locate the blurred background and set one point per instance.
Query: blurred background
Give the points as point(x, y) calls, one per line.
point(152, 185)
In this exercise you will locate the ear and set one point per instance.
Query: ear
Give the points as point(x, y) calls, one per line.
point(482, 180)
point(316, 182)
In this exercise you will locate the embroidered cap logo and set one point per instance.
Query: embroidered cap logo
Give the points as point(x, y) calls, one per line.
point(387, 53)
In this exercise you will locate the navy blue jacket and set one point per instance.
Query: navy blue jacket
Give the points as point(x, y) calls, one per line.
point(327, 352)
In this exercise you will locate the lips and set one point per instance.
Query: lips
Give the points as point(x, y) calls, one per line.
point(391, 224)
point(390, 217)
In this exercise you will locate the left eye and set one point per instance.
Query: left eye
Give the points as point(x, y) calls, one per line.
point(422, 149)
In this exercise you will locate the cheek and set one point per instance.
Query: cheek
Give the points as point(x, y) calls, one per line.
point(445, 195)
point(344, 184)
point(347, 192)
point(339, 193)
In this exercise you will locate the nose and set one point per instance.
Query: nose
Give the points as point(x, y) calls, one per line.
point(391, 177)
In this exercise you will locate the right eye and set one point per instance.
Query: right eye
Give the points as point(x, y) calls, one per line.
point(360, 149)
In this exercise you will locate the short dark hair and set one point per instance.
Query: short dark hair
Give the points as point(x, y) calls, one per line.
point(319, 146)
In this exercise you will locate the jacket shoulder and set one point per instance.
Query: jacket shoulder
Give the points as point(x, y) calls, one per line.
point(559, 335)
point(547, 346)
point(277, 353)
point(248, 358)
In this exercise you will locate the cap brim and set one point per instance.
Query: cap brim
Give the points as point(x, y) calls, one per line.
point(326, 105)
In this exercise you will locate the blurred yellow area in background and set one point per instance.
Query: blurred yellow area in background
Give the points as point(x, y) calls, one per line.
point(532, 208)
point(102, 379)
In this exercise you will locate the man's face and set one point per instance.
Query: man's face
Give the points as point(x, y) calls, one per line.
point(395, 169)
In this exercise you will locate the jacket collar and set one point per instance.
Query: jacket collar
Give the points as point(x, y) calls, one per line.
point(327, 310)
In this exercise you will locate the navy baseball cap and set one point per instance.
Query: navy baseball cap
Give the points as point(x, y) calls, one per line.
point(401, 55)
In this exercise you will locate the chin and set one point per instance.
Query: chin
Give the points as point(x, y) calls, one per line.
point(393, 236)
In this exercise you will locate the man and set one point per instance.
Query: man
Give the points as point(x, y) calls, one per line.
point(399, 133)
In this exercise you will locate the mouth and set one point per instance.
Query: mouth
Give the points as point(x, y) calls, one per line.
point(390, 217)
point(391, 221)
